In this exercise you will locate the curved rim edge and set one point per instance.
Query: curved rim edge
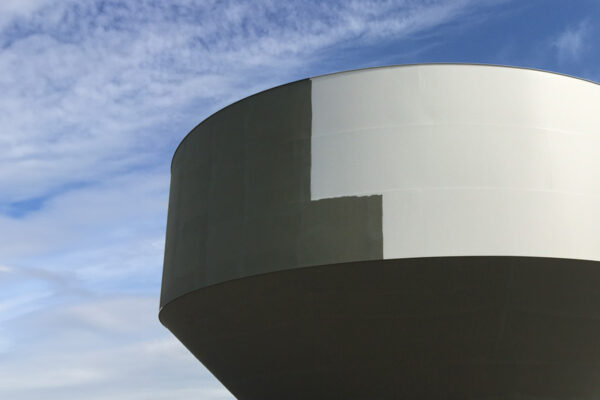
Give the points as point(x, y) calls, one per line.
point(162, 307)
point(374, 68)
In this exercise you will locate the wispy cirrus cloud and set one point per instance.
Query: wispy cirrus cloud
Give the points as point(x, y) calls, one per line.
point(572, 42)
point(103, 347)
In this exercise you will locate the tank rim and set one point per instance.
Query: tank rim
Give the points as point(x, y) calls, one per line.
point(374, 68)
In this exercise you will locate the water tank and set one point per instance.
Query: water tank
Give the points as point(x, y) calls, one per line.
point(409, 232)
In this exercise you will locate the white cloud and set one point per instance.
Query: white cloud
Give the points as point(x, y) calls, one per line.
point(11, 9)
point(5, 269)
point(101, 348)
point(23, 302)
point(571, 43)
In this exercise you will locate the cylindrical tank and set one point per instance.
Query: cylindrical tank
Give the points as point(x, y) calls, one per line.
point(417, 232)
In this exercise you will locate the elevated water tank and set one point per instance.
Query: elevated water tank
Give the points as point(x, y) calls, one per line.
point(415, 232)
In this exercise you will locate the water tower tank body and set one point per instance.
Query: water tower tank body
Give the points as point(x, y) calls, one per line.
point(415, 232)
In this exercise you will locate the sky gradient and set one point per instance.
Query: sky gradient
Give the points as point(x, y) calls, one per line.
point(96, 95)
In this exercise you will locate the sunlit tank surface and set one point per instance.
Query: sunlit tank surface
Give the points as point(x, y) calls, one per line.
point(410, 232)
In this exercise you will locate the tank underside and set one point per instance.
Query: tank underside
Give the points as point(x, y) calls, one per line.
point(420, 328)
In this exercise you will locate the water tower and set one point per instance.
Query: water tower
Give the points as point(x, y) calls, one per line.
point(411, 232)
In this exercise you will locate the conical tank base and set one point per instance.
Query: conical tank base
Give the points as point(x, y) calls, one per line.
point(428, 328)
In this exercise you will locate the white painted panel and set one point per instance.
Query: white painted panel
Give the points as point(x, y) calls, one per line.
point(452, 94)
point(431, 156)
point(459, 222)
point(471, 160)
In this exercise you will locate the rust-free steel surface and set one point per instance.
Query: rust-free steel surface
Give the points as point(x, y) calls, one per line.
point(431, 328)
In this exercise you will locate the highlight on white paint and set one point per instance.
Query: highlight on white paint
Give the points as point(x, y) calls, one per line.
point(470, 159)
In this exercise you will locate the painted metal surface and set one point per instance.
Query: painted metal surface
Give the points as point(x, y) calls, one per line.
point(394, 162)
point(423, 232)
point(470, 160)
point(240, 200)
point(456, 328)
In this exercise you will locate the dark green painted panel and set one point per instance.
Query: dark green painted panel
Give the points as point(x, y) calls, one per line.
point(341, 229)
point(457, 328)
point(240, 198)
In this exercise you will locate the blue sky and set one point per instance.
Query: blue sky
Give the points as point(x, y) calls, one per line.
point(96, 95)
